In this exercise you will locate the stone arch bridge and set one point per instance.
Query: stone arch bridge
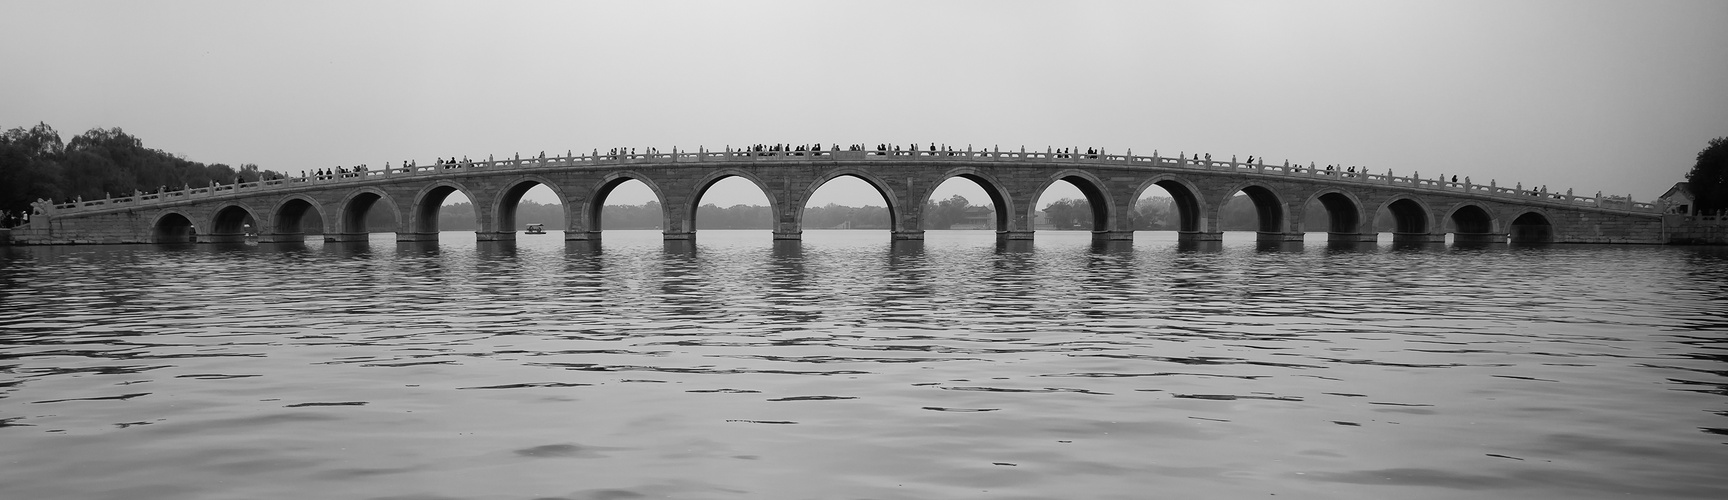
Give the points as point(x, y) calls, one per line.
point(1426, 210)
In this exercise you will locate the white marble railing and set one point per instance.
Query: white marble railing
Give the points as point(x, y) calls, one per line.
point(596, 159)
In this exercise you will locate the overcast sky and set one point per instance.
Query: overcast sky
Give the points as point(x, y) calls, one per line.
point(1615, 96)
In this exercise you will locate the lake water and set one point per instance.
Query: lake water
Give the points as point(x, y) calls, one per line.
point(844, 366)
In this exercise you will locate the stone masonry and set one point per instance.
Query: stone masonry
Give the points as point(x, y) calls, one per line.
point(1425, 210)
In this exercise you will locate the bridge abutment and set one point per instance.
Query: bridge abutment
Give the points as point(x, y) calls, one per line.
point(282, 237)
point(351, 237)
point(1475, 238)
point(407, 237)
point(1013, 235)
point(1112, 236)
point(1418, 238)
point(1276, 237)
point(909, 235)
point(788, 235)
point(495, 235)
point(578, 235)
point(678, 235)
point(681, 247)
point(1352, 237)
point(223, 238)
point(1182, 236)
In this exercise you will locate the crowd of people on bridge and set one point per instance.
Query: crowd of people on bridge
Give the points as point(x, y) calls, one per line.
point(885, 149)
point(789, 149)
point(614, 153)
point(1063, 153)
point(338, 172)
point(452, 163)
point(816, 149)
point(1542, 192)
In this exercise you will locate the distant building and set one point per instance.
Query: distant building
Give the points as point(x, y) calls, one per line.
point(976, 218)
point(1679, 200)
point(1682, 223)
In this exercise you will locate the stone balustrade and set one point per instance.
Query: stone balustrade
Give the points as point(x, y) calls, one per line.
point(1492, 190)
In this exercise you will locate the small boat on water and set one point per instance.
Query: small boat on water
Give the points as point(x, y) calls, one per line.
point(536, 229)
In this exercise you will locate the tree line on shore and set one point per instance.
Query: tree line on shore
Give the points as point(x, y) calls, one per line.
point(1708, 179)
point(35, 164)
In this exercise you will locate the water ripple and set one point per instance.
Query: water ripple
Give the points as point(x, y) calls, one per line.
point(928, 369)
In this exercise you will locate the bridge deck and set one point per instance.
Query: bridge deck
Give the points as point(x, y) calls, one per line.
point(1490, 191)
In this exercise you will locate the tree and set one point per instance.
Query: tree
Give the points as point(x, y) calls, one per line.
point(35, 164)
point(1069, 213)
point(1709, 177)
point(1155, 213)
point(40, 141)
point(249, 173)
point(29, 170)
point(945, 213)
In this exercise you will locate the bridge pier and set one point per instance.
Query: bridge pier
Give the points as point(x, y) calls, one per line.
point(1113, 236)
point(1266, 237)
point(680, 247)
point(339, 204)
point(223, 238)
point(1182, 236)
point(1352, 237)
point(282, 237)
point(1418, 238)
point(352, 237)
point(405, 237)
point(1478, 238)
point(1109, 246)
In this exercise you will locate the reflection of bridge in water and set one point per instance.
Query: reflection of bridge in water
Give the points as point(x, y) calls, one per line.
point(1425, 210)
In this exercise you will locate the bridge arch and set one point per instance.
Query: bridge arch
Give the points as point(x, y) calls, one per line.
point(351, 218)
point(1189, 205)
point(288, 217)
point(172, 226)
point(776, 205)
point(1532, 225)
point(1473, 222)
point(1268, 206)
point(228, 223)
point(1103, 210)
point(504, 206)
point(423, 218)
point(1343, 210)
point(1410, 215)
point(343, 200)
point(587, 216)
point(999, 199)
point(874, 181)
